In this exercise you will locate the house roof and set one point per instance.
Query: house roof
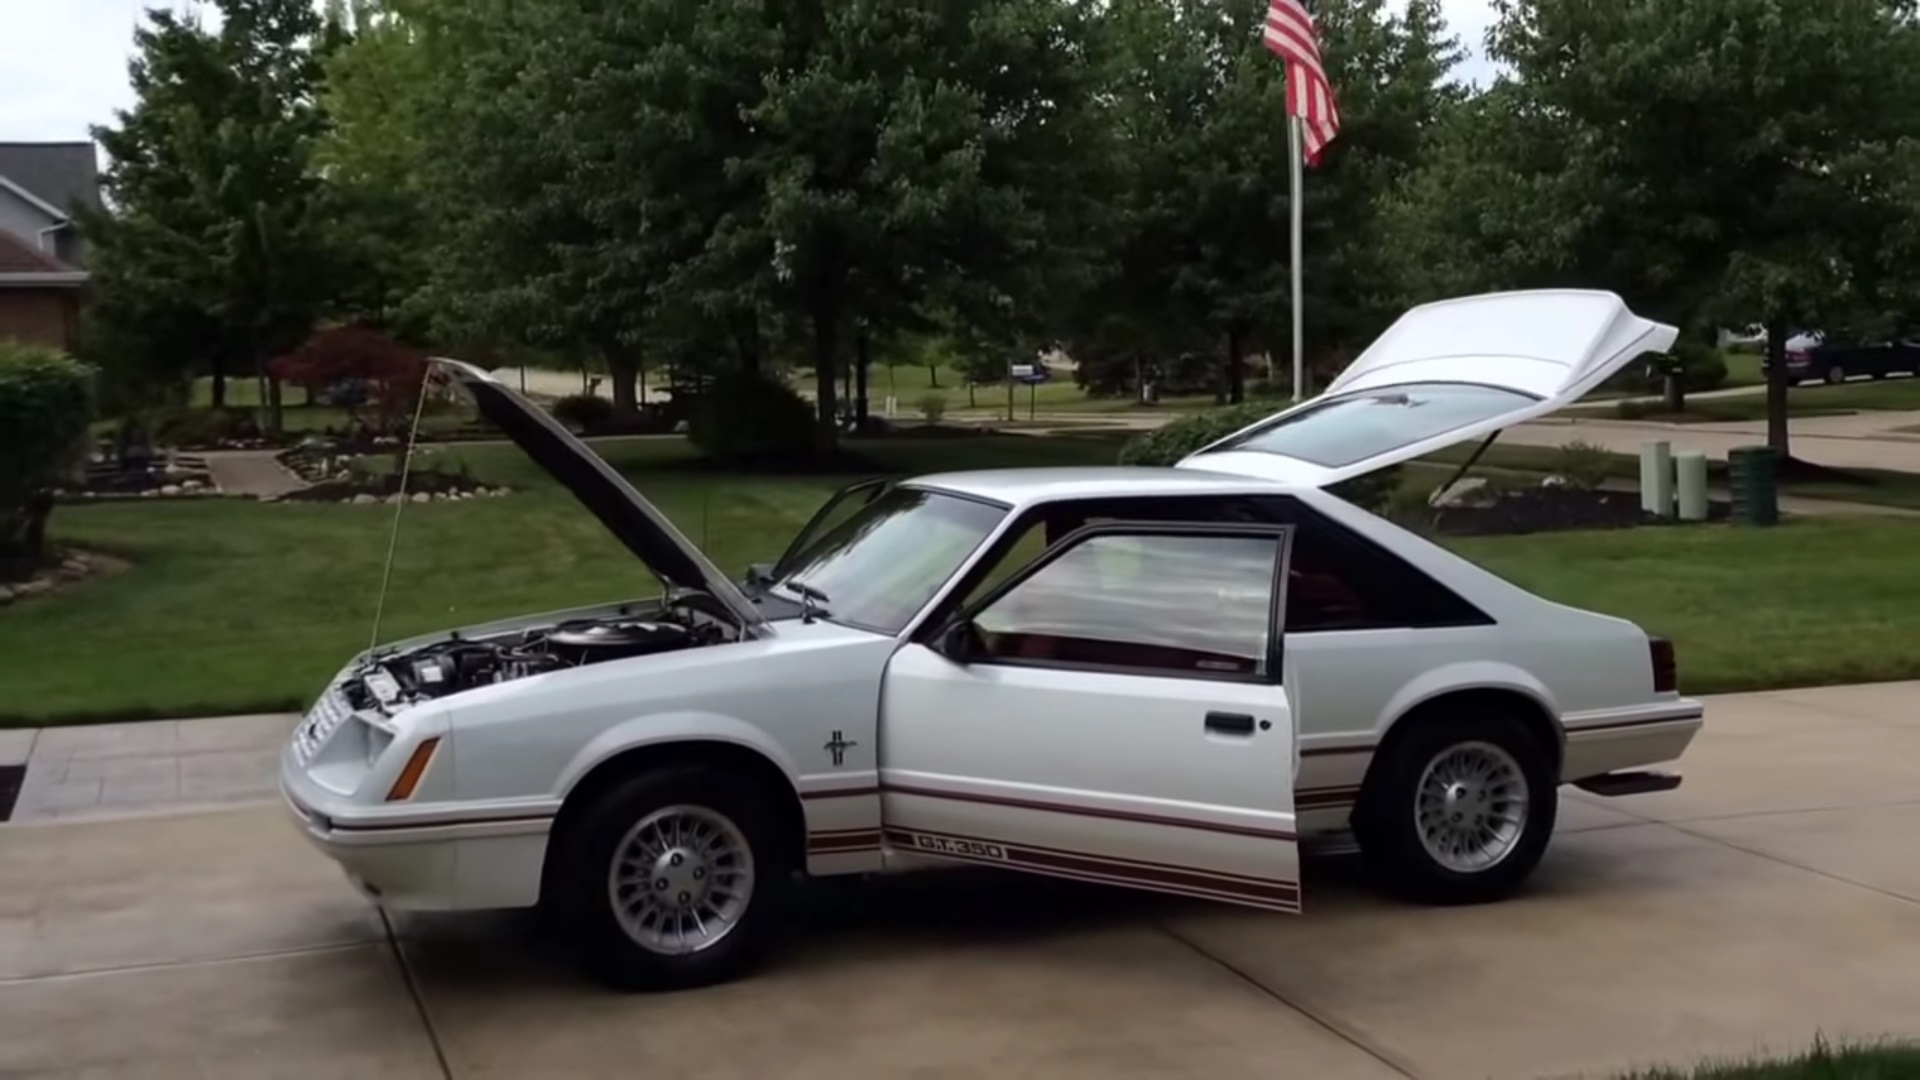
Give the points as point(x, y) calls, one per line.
point(62, 175)
point(22, 265)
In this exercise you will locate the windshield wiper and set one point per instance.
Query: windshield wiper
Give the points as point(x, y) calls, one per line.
point(807, 591)
point(810, 597)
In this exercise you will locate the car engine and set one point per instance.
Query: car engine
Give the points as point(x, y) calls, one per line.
point(398, 679)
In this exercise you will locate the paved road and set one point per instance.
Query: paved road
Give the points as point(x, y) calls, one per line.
point(1773, 896)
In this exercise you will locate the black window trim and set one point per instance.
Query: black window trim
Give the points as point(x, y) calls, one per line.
point(1281, 534)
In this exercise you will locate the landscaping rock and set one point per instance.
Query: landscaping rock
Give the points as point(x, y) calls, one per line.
point(421, 496)
point(6, 595)
point(171, 489)
point(1472, 491)
point(150, 493)
point(394, 498)
point(36, 587)
point(363, 499)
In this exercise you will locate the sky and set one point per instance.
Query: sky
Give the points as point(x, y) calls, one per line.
point(63, 63)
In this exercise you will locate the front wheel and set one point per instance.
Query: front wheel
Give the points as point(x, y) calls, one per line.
point(673, 879)
point(1459, 810)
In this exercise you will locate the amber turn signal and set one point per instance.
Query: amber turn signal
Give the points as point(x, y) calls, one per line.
point(416, 767)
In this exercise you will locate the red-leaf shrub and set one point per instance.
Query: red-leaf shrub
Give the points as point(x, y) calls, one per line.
point(390, 374)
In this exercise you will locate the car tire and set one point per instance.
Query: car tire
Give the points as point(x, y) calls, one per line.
point(727, 835)
point(1835, 375)
point(1487, 758)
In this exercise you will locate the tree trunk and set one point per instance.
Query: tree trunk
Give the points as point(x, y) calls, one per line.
point(623, 367)
point(747, 340)
point(1236, 369)
point(218, 366)
point(826, 327)
point(276, 404)
point(933, 376)
point(1777, 389)
point(34, 536)
point(860, 361)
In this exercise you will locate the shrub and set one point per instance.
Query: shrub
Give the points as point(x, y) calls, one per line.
point(393, 375)
point(749, 417)
point(1582, 465)
point(1701, 367)
point(583, 411)
point(932, 407)
point(46, 402)
point(185, 425)
point(1170, 442)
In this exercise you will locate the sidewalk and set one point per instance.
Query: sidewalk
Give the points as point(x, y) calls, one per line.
point(108, 770)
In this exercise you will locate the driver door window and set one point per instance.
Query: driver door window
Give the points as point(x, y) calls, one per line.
point(1180, 604)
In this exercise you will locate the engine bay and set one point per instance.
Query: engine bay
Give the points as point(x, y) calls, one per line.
point(400, 678)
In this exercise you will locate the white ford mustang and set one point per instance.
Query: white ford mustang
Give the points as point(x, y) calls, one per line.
point(1159, 678)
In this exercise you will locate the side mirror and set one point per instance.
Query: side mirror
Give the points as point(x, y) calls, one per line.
point(958, 642)
point(760, 573)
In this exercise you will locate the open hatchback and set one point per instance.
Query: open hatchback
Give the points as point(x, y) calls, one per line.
point(1443, 374)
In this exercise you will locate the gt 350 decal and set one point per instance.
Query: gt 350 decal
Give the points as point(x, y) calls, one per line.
point(967, 849)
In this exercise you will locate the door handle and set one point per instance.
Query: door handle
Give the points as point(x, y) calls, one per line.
point(1228, 723)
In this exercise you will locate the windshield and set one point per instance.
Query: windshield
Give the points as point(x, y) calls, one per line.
point(878, 568)
point(1351, 428)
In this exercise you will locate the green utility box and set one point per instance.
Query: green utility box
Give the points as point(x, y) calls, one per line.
point(1756, 485)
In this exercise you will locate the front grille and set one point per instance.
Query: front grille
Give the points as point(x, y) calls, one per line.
point(319, 725)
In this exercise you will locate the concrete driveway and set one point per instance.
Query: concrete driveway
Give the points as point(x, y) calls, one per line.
point(1775, 896)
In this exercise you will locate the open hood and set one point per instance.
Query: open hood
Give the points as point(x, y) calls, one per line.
point(1442, 374)
point(636, 522)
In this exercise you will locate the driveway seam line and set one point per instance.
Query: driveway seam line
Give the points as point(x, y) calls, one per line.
point(413, 990)
point(1814, 870)
point(1777, 860)
point(1742, 815)
point(1333, 1027)
point(163, 965)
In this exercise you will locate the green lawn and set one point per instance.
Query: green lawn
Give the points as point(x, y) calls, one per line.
point(236, 606)
point(1889, 395)
point(1883, 1061)
point(1876, 487)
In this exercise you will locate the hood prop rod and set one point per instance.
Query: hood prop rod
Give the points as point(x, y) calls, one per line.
point(400, 505)
point(1472, 460)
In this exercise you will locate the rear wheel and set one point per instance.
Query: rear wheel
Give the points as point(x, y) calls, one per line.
point(673, 879)
point(1459, 809)
point(1836, 375)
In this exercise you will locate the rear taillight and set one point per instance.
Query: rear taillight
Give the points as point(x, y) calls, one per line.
point(1666, 671)
point(1795, 356)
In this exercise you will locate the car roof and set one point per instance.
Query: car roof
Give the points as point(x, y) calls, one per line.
point(1024, 486)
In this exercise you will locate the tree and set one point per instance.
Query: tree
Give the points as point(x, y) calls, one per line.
point(1714, 161)
point(387, 376)
point(381, 226)
point(1200, 238)
point(897, 156)
point(213, 243)
point(44, 409)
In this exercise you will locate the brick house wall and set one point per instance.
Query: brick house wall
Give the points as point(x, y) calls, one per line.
point(44, 316)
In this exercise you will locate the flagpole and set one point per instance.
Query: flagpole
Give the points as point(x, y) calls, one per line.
point(1296, 158)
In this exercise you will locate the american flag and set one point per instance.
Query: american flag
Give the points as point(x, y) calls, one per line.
point(1291, 35)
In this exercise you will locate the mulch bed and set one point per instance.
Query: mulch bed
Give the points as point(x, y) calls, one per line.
point(23, 579)
point(1554, 509)
point(423, 485)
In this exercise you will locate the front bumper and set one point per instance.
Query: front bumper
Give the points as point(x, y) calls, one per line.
point(431, 857)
